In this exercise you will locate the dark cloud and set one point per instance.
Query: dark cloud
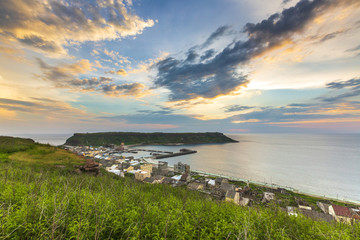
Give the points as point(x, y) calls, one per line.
point(299, 105)
point(191, 55)
point(119, 90)
point(354, 49)
point(343, 90)
point(208, 54)
point(221, 31)
point(285, 2)
point(293, 113)
point(352, 83)
point(235, 108)
point(221, 75)
point(39, 42)
point(331, 36)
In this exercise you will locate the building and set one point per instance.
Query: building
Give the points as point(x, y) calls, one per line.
point(146, 167)
point(324, 207)
point(181, 168)
point(141, 175)
point(341, 213)
point(267, 197)
point(162, 165)
point(232, 196)
point(303, 207)
point(195, 186)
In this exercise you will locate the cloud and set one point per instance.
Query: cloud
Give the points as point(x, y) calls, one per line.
point(222, 74)
point(221, 31)
point(133, 89)
point(40, 106)
point(121, 72)
point(52, 25)
point(235, 108)
point(350, 88)
point(354, 49)
point(66, 76)
point(208, 54)
point(64, 72)
point(331, 35)
point(352, 83)
point(191, 55)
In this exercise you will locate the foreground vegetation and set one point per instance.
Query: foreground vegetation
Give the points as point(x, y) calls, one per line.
point(42, 201)
point(129, 138)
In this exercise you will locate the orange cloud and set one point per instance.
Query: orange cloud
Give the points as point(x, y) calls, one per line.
point(247, 121)
point(121, 72)
point(48, 26)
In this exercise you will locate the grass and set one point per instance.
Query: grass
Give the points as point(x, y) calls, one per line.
point(46, 155)
point(38, 201)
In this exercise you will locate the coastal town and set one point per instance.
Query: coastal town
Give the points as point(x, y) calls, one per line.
point(143, 165)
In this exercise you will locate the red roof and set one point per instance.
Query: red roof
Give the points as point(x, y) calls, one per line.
point(342, 211)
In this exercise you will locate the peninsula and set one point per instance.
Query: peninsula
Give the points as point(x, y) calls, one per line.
point(130, 138)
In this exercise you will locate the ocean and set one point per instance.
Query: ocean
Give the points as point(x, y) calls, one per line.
point(324, 165)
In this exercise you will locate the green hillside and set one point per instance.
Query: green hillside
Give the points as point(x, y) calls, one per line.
point(100, 139)
point(38, 201)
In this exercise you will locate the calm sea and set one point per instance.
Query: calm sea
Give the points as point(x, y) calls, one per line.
point(318, 164)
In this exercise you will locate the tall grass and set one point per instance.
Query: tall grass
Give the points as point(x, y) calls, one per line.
point(55, 204)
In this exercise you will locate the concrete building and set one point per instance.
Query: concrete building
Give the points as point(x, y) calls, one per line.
point(267, 197)
point(141, 175)
point(181, 168)
point(232, 196)
point(146, 167)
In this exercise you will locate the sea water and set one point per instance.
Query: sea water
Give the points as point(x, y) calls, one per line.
point(325, 165)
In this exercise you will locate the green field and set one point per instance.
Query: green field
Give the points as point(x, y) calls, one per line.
point(41, 201)
point(129, 138)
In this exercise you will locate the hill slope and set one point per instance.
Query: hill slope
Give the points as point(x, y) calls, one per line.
point(98, 139)
point(41, 202)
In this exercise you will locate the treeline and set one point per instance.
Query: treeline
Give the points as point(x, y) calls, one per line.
point(129, 138)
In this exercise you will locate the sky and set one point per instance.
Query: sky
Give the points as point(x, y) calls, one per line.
point(233, 66)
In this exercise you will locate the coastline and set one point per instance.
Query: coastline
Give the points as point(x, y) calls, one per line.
point(275, 186)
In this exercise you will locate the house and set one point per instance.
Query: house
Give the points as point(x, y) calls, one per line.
point(220, 181)
point(324, 207)
point(232, 196)
point(280, 190)
point(341, 213)
point(150, 180)
point(244, 201)
point(195, 186)
point(141, 175)
point(159, 178)
point(303, 207)
point(210, 182)
point(267, 197)
point(227, 187)
point(129, 169)
point(181, 168)
point(146, 167)
point(185, 177)
point(167, 180)
point(317, 216)
point(291, 211)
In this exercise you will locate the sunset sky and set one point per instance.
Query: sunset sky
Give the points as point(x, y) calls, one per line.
point(234, 66)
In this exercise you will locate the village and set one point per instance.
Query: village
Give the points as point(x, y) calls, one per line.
point(142, 165)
